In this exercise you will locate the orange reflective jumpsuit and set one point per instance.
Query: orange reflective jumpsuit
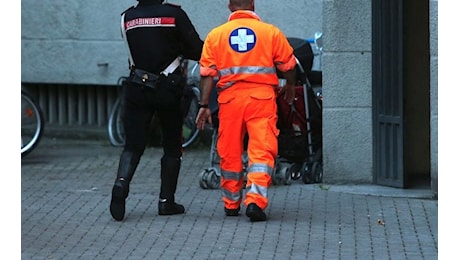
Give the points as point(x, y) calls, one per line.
point(244, 54)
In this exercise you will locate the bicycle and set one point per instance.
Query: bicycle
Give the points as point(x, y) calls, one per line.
point(32, 123)
point(115, 129)
point(190, 132)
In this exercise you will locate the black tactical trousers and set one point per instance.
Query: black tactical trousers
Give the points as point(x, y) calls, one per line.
point(141, 104)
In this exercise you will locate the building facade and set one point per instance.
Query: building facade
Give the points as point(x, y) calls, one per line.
point(379, 75)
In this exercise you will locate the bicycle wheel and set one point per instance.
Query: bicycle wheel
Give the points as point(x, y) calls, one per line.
point(32, 124)
point(115, 129)
point(189, 130)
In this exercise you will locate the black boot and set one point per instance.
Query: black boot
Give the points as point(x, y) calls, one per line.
point(126, 168)
point(255, 213)
point(170, 168)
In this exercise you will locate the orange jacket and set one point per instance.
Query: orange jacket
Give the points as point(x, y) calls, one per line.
point(245, 49)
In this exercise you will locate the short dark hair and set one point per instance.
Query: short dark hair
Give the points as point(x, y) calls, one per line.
point(241, 3)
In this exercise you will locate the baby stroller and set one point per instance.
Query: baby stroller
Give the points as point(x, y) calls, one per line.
point(300, 124)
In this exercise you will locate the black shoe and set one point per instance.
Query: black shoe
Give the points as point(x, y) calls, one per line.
point(117, 204)
point(169, 208)
point(255, 213)
point(232, 212)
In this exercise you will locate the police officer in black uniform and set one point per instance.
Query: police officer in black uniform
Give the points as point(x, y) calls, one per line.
point(157, 34)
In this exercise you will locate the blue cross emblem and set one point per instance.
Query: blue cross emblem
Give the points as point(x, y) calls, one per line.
point(242, 39)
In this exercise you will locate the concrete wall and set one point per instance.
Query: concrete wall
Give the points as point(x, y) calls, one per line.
point(79, 42)
point(347, 88)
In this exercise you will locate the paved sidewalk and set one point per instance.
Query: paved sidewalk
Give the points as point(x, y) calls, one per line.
point(66, 187)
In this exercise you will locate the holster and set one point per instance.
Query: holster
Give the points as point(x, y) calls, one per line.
point(144, 78)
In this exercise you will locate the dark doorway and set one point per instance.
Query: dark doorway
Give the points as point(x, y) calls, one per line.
point(401, 93)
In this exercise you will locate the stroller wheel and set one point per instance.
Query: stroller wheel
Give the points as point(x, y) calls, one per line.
point(296, 171)
point(202, 176)
point(274, 178)
point(283, 174)
point(307, 173)
point(213, 179)
point(317, 170)
point(288, 175)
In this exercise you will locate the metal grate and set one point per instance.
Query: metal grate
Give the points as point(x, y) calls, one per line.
point(74, 105)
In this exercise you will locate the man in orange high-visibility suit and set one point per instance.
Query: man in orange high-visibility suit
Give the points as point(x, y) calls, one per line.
point(244, 54)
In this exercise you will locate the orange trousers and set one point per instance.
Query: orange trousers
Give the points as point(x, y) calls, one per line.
point(247, 109)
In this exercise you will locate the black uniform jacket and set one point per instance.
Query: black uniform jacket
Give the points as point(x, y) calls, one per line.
point(158, 33)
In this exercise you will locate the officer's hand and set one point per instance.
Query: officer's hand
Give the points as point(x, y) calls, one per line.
point(203, 116)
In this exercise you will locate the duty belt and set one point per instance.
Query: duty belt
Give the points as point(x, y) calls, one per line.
point(149, 79)
point(144, 78)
